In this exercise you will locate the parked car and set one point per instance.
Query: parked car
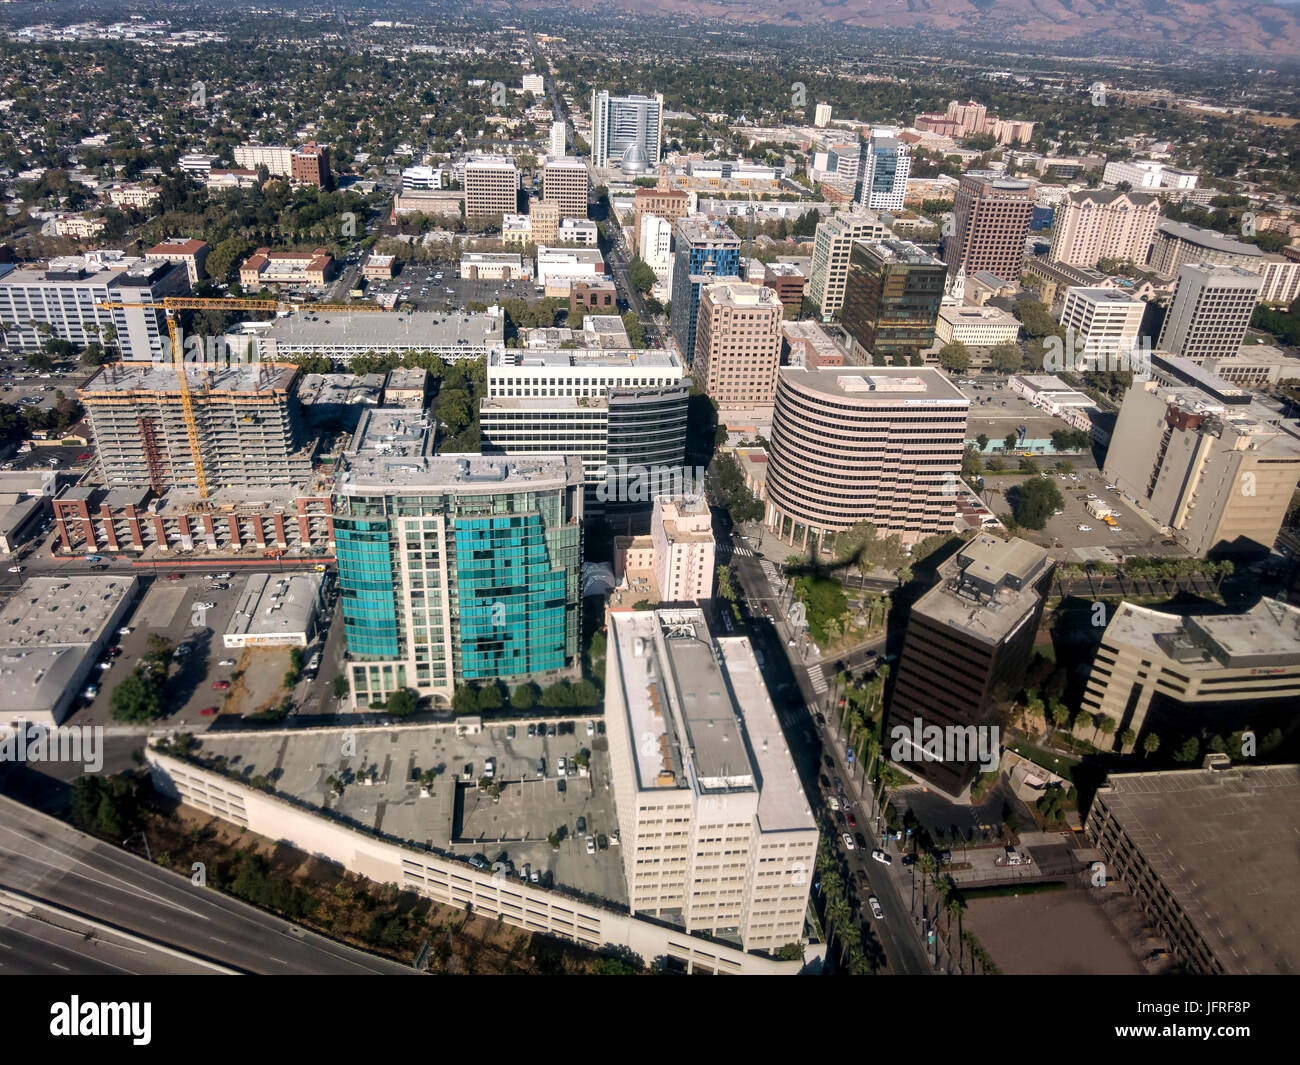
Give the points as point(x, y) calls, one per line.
point(591, 845)
point(882, 857)
point(591, 728)
point(226, 662)
point(99, 566)
point(541, 767)
point(562, 767)
point(532, 730)
point(174, 576)
point(208, 711)
point(861, 840)
point(125, 630)
point(220, 685)
point(876, 911)
point(1085, 528)
point(510, 732)
point(849, 845)
point(582, 825)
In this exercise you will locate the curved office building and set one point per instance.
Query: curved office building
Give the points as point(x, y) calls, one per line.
point(852, 444)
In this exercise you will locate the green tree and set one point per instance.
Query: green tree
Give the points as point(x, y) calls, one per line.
point(983, 441)
point(558, 696)
point(1150, 744)
point(1033, 502)
point(490, 697)
point(585, 694)
point(954, 357)
point(341, 687)
point(1005, 358)
point(138, 698)
point(523, 698)
point(464, 700)
point(635, 331)
point(641, 276)
point(402, 703)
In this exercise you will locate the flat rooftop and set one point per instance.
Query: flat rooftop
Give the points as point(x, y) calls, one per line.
point(251, 378)
point(1207, 238)
point(416, 329)
point(987, 588)
point(61, 611)
point(627, 360)
point(272, 605)
point(884, 385)
point(1224, 843)
point(1266, 635)
point(394, 448)
point(701, 714)
point(1106, 295)
point(340, 388)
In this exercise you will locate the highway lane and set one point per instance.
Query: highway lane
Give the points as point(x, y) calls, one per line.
point(45, 859)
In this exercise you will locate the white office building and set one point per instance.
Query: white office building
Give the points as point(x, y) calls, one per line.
point(1209, 311)
point(717, 835)
point(1105, 321)
point(626, 131)
point(886, 164)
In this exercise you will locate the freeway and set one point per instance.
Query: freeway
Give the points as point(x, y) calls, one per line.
point(47, 861)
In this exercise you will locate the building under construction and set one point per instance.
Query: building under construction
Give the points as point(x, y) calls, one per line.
point(249, 427)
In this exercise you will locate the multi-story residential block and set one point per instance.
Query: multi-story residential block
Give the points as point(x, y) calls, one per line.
point(249, 429)
point(278, 159)
point(534, 83)
point(454, 568)
point(78, 226)
point(969, 640)
point(787, 281)
point(623, 413)
point(593, 294)
point(886, 163)
point(190, 253)
point(626, 131)
point(991, 217)
point(668, 204)
point(822, 116)
point(1105, 324)
point(1184, 843)
point(1205, 460)
point(577, 232)
point(705, 252)
point(832, 248)
point(892, 298)
point(1281, 280)
point(1145, 174)
point(656, 246)
point(424, 178)
point(1209, 312)
point(681, 534)
point(310, 165)
point(559, 143)
point(68, 295)
point(853, 444)
point(1177, 244)
point(491, 187)
point(738, 344)
point(543, 223)
point(717, 836)
point(1096, 224)
point(1173, 674)
point(135, 197)
point(565, 182)
point(267, 267)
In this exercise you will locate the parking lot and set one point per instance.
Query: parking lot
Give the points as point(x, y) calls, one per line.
point(204, 676)
point(410, 783)
point(419, 285)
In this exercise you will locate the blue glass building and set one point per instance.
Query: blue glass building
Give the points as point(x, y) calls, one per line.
point(704, 252)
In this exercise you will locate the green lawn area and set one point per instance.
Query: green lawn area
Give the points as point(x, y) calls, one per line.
point(1060, 764)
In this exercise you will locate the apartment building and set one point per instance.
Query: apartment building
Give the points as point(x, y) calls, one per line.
point(276, 158)
point(787, 281)
point(623, 413)
point(1177, 244)
point(1105, 323)
point(1173, 674)
point(891, 299)
point(738, 344)
point(656, 247)
point(565, 182)
point(851, 444)
point(1206, 460)
point(1209, 311)
point(68, 295)
point(543, 223)
point(310, 165)
point(1207, 855)
point(968, 642)
point(1096, 224)
point(705, 252)
point(1146, 174)
point(626, 131)
point(249, 427)
point(559, 138)
point(886, 164)
point(454, 568)
point(491, 188)
point(190, 253)
point(1281, 280)
point(832, 248)
point(717, 836)
point(668, 204)
point(991, 216)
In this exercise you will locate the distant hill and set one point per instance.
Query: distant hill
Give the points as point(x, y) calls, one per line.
point(1207, 26)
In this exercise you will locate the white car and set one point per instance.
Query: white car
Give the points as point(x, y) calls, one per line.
point(832, 802)
point(882, 857)
point(849, 845)
point(562, 767)
point(876, 911)
point(591, 728)
point(591, 845)
point(1112, 488)
point(125, 630)
point(15, 569)
point(226, 662)
point(1085, 528)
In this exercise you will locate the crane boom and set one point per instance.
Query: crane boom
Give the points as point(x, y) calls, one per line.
point(169, 305)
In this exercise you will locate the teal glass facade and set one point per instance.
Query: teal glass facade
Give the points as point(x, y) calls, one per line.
point(366, 581)
point(512, 599)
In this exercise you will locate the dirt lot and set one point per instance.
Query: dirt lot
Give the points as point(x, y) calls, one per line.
point(260, 685)
point(1053, 932)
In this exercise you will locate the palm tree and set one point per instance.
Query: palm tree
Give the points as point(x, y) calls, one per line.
point(1108, 726)
point(1060, 715)
point(925, 865)
point(1223, 570)
point(1150, 745)
point(954, 907)
point(1127, 738)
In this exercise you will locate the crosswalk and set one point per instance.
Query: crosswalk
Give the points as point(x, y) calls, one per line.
point(728, 550)
point(818, 680)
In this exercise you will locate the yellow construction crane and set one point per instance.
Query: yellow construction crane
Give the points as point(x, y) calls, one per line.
point(169, 305)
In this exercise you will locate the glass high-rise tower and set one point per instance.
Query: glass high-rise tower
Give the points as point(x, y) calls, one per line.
point(454, 568)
